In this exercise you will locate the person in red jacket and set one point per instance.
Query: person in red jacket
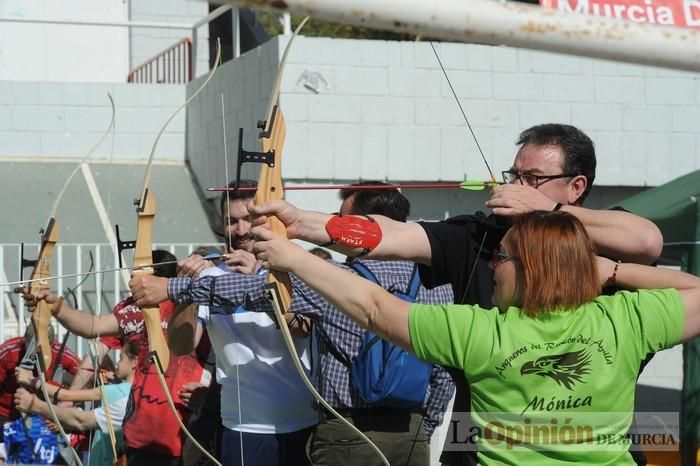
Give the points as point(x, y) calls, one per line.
point(151, 433)
point(11, 354)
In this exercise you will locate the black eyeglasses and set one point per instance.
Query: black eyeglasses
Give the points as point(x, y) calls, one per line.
point(499, 257)
point(510, 176)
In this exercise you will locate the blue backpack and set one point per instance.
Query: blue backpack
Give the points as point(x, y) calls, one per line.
point(383, 373)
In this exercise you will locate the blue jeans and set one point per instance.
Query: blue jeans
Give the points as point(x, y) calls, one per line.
point(264, 449)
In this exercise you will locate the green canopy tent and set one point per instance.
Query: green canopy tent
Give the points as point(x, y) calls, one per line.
point(675, 209)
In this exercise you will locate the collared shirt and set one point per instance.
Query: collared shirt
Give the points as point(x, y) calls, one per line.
point(333, 382)
point(261, 390)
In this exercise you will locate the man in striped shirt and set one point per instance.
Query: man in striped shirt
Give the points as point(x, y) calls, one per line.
point(402, 434)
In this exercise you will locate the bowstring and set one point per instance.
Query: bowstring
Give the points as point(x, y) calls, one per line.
point(227, 229)
point(483, 157)
point(464, 114)
point(93, 346)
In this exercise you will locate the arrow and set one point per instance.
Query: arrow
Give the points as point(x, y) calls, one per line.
point(469, 185)
point(212, 256)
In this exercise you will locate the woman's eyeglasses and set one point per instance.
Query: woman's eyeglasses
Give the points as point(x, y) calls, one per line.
point(499, 257)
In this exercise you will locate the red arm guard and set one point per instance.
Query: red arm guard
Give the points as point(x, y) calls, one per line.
point(355, 232)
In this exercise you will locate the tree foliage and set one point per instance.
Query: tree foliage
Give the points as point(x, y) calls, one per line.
point(321, 28)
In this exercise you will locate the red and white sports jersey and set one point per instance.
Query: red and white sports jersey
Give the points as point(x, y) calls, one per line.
point(11, 354)
point(149, 423)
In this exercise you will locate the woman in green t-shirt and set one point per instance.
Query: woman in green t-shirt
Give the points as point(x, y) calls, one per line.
point(553, 367)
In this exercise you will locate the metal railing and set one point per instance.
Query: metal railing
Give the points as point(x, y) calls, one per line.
point(145, 73)
point(158, 69)
point(98, 294)
point(186, 72)
point(171, 66)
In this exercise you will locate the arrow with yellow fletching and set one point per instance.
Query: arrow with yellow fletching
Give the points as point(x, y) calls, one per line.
point(469, 185)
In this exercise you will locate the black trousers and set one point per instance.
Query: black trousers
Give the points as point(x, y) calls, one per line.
point(139, 457)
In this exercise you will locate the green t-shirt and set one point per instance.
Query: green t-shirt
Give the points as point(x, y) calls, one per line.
point(532, 379)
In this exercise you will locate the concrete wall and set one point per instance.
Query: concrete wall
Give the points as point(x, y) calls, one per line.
point(384, 110)
point(63, 52)
point(78, 53)
point(245, 84)
point(67, 119)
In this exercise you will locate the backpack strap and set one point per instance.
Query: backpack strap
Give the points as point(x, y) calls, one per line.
point(414, 283)
point(336, 352)
point(412, 288)
point(363, 271)
point(411, 292)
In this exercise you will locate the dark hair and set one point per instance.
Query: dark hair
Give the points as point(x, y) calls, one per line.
point(207, 250)
point(322, 253)
point(131, 348)
point(388, 202)
point(558, 259)
point(108, 364)
point(578, 149)
point(237, 194)
point(164, 270)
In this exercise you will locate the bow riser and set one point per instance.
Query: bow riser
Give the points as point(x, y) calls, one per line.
point(143, 255)
point(41, 317)
point(270, 188)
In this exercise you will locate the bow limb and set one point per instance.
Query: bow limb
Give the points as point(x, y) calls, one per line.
point(105, 401)
point(93, 345)
point(151, 316)
point(146, 211)
point(41, 370)
point(143, 255)
point(270, 188)
point(171, 404)
point(108, 416)
point(41, 317)
point(59, 197)
point(287, 336)
point(105, 405)
point(270, 185)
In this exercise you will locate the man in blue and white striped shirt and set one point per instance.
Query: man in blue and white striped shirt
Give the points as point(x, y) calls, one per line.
point(402, 434)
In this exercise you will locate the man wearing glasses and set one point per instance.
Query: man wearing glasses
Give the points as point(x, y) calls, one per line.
point(554, 169)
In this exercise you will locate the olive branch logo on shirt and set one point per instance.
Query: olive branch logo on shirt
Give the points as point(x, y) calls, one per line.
point(565, 369)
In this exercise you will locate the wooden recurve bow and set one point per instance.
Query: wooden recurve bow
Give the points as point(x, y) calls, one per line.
point(143, 246)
